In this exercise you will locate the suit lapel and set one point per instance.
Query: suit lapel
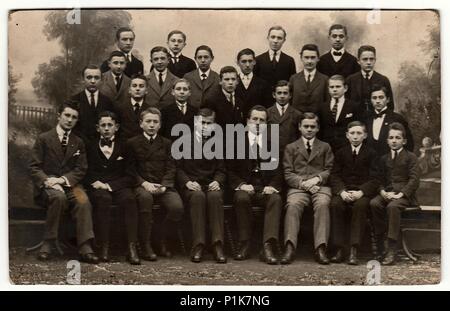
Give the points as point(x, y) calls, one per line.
point(275, 115)
point(56, 145)
point(154, 83)
point(301, 147)
point(315, 150)
point(209, 81)
point(110, 83)
point(167, 85)
point(71, 148)
point(196, 78)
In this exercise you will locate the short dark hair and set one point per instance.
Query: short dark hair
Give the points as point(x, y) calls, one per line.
point(159, 49)
point(399, 127)
point(282, 83)
point(106, 114)
point(308, 116)
point(123, 29)
point(176, 32)
point(69, 103)
point(336, 27)
point(90, 66)
point(310, 47)
point(152, 110)
point(227, 69)
point(245, 51)
point(356, 123)
point(181, 80)
point(204, 48)
point(116, 54)
point(277, 27)
point(206, 112)
point(139, 76)
point(257, 108)
point(337, 77)
point(365, 48)
point(379, 87)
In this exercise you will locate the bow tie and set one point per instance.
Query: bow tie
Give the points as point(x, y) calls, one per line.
point(337, 53)
point(379, 115)
point(106, 142)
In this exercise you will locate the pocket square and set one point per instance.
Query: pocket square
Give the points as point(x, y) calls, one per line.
point(119, 158)
point(349, 115)
point(77, 153)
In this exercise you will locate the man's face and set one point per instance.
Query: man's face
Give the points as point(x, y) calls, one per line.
point(395, 139)
point(176, 43)
point(336, 88)
point(91, 79)
point(367, 60)
point(309, 128)
point(247, 63)
point(356, 135)
point(107, 127)
point(257, 121)
point(126, 41)
point(204, 126)
point(160, 61)
point(309, 59)
point(181, 92)
point(138, 88)
point(229, 81)
point(68, 118)
point(276, 39)
point(337, 38)
point(150, 123)
point(282, 95)
point(117, 64)
point(379, 100)
point(203, 59)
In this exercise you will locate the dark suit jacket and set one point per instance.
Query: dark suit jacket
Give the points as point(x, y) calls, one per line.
point(172, 115)
point(380, 145)
point(360, 173)
point(157, 96)
point(402, 175)
point(283, 71)
point(182, 67)
point(48, 160)
point(108, 87)
point(87, 121)
point(359, 91)
point(198, 93)
point(259, 92)
point(347, 65)
point(225, 112)
point(288, 124)
point(151, 162)
point(134, 67)
point(309, 99)
point(111, 171)
point(129, 121)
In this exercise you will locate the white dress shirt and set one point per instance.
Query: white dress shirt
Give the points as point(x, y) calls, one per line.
point(340, 104)
point(279, 107)
point(206, 73)
point(182, 106)
point(356, 148)
point(393, 152)
point(311, 142)
point(164, 74)
point(337, 58)
point(365, 73)
point(277, 57)
point(148, 136)
point(311, 74)
point(377, 124)
point(107, 151)
point(246, 79)
point(88, 95)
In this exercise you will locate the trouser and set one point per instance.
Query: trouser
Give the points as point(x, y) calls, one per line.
point(386, 215)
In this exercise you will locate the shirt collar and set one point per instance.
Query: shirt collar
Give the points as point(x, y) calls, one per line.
point(311, 73)
point(206, 73)
point(364, 73)
point(398, 151)
point(148, 136)
point(164, 72)
point(60, 131)
point(252, 136)
point(114, 75)
point(356, 148)
point(279, 106)
point(181, 104)
point(311, 141)
point(133, 101)
point(381, 110)
point(249, 76)
point(227, 95)
point(341, 50)
point(88, 94)
point(271, 52)
point(174, 55)
point(341, 100)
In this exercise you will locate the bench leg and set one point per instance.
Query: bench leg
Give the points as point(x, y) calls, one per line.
point(229, 237)
point(34, 247)
point(411, 255)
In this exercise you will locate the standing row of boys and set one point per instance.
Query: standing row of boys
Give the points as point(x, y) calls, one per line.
point(341, 146)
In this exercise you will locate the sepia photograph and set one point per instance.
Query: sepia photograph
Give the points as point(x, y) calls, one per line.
point(263, 147)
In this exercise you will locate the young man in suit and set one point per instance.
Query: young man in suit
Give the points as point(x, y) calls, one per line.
point(400, 179)
point(125, 41)
point(251, 89)
point(204, 81)
point(180, 111)
point(92, 102)
point(378, 122)
point(107, 182)
point(160, 80)
point(360, 83)
point(254, 185)
point(57, 166)
point(179, 64)
point(336, 114)
point(307, 164)
point(309, 86)
point(354, 181)
point(201, 182)
point(274, 65)
point(153, 167)
point(130, 109)
point(115, 83)
point(283, 114)
point(338, 61)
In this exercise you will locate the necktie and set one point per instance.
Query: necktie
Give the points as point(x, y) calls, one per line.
point(117, 83)
point(106, 142)
point(92, 100)
point(160, 79)
point(256, 149)
point(174, 59)
point(128, 58)
point(136, 108)
point(334, 109)
point(182, 108)
point(64, 141)
point(308, 147)
point(379, 115)
point(274, 60)
point(354, 155)
point(395, 155)
point(366, 76)
point(283, 109)
point(337, 53)
point(151, 140)
point(232, 99)
point(308, 81)
point(203, 75)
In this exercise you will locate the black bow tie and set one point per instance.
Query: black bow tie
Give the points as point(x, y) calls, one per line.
point(106, 142)
point(379, 115)
point(337, 53)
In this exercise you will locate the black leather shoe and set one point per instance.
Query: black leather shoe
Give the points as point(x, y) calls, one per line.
point(219, 256)
point(133, 257)
point(243, 251)
point(289, 254)
point(89, 258)
point(321, 256)
point(197, 253)
point(164, 250)
point(104, 253)
point(43, 256)
point(267, 254)
point(339, 256)
point(147, 252)
point(389, 259)
point(353, 257)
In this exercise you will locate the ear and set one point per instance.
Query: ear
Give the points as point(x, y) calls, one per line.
point(365, 135)
point(97, 128)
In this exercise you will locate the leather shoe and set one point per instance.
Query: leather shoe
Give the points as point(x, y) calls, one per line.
point(389, 259)
point(164, 250)
point(104, 253)
point(218, 253)
point(289, 254)
point(89, 258)
point(147, 252)
point(267, 254)
point(197, 253)
point(243, 251)
point(133, 257)
point(353, 257)
point(321, 256)
point(339, 256)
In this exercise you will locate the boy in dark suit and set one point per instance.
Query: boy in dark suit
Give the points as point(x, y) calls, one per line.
point(125, 41)
point(309, 87)
point(204, 81)
point(360, 83)
point(115, 83)
point(180, 111)
point(307, 164)
point(338, 61)
point(353, 182)
point(57, 166)
point(400, 174)
point(274, 65)
point(152, 166)
point(251, 89)
point(92, 102)
point(107, 182)
point(201, 182)
point(379, 120)
point(179, 64)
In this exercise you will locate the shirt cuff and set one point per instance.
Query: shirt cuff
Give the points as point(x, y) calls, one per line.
point(109, 187)
point(66, 181)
